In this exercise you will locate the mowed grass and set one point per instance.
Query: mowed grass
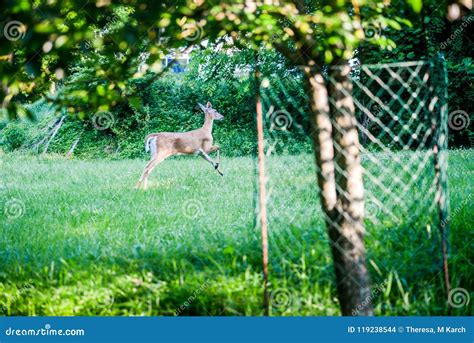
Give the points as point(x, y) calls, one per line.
point(77, 239)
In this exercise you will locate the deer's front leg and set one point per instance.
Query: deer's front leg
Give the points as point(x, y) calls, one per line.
point(210, 160)
point(218, 149)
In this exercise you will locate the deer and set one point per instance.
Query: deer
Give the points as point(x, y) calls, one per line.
point(196, 142)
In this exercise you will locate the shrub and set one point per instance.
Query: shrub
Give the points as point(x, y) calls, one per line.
point(13, 136)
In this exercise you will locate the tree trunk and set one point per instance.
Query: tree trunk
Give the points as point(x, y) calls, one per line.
point(322, 140)
point(336, 148)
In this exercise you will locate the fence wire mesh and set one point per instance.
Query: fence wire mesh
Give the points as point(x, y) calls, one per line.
point(401, 120)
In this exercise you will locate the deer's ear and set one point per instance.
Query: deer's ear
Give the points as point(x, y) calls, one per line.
point(201, 106)
point(209, 104)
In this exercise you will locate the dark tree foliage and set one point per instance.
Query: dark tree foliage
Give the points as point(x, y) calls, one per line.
point(430, 34)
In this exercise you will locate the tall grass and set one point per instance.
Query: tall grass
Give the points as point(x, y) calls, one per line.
point(85, 243)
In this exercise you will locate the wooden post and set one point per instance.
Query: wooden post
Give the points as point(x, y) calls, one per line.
point(262, 200)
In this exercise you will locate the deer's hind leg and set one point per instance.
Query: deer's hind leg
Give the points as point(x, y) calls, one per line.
point(140, 180)
point(148, 169)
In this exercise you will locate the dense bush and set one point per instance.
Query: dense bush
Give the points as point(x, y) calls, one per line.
point(13, 136)
point(169, 104)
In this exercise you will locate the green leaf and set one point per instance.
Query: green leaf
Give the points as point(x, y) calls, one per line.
point(394, 24)
point(416, 5)
point(135, 102)
point(229, 250)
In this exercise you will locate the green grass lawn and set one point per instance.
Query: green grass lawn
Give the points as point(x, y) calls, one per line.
point(76, 239)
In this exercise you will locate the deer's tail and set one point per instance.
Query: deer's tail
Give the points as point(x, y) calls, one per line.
point(150, 145)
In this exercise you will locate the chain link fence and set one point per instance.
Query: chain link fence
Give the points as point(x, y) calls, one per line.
point(402, 122)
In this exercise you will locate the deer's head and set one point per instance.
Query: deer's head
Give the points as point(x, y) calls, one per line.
point(209, 111)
